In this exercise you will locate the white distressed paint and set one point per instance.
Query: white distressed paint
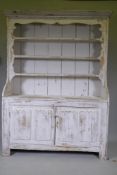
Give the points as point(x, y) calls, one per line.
point(75, 127)
point(55, 96)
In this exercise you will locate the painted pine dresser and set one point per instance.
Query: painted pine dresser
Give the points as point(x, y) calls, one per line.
point(56, 96)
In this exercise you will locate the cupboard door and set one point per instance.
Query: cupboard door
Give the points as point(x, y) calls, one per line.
point(44, 125)
point(29, 124)
point(20, 124)
point(66, 127)
point(77, 127)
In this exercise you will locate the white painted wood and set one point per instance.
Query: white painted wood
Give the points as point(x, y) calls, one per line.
point(5, 129)
point(44, 126)
point(41, 66)
point(20, 123)
point(82, 31)
point(26, 125)
point(82, 50)
point(16, 85)
point(56, 95)
point(54, 83)
point(68, 67)
point(27, 48)
point(68, 85)
point(81, 84)
point(77, 127)
point(64, 39)
point(56, 57)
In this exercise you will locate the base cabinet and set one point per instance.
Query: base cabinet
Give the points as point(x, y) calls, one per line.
point(53, 128)
point(58, 126)
point(63, 126)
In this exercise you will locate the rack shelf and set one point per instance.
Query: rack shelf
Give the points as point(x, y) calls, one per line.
point(23, 39)
point(39, 57)
point(55, 75)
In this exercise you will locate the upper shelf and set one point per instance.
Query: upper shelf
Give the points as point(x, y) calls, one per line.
point(39, 57)
point(57, 39)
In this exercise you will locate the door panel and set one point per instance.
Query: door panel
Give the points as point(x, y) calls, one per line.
point(66, 127)
point(20, 123)
point(33, 125)
point(44, 125)
point(77, 127)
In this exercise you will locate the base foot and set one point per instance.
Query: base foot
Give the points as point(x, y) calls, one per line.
point(6, 153)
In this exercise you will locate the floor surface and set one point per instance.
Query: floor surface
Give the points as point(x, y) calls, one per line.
point(53, 163)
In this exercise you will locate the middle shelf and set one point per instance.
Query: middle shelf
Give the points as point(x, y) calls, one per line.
point(41, 57)
point(55, 75)
point(57, 68)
